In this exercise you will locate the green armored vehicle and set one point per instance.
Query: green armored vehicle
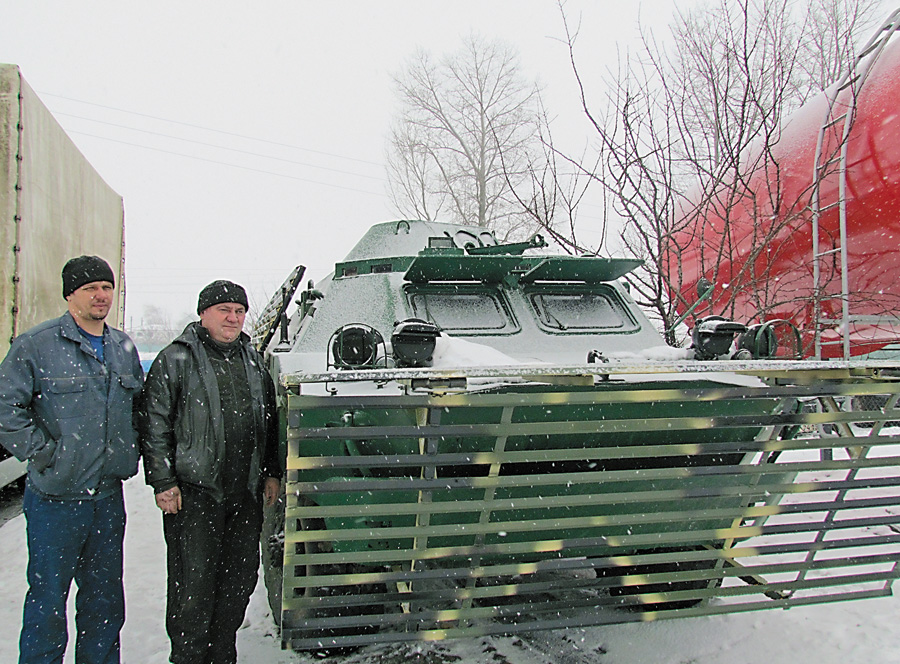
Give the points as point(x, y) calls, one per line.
point(490, 438)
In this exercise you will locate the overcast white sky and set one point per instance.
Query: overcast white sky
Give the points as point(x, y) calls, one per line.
point(248, 137)
point(295, 94)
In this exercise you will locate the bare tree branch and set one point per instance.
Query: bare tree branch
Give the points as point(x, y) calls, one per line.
point(685, 144)
point(465, 137)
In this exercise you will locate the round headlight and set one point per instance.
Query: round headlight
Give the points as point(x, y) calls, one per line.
point(355, 346)
point(413, 341)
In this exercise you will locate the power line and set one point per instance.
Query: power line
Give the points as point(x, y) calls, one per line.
point(223, 163)
point(221, 147)
point(237, 150)
point(218, 131)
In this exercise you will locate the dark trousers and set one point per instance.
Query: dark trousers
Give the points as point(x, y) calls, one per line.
point(78, 540)
point(212, 559)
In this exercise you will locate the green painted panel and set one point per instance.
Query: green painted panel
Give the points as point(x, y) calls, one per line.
point(437, 267)
point(574, 268)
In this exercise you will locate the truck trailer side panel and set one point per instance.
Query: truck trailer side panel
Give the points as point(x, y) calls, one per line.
point(54, 206)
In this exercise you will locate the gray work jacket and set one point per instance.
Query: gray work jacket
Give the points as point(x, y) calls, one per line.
point(71, 416)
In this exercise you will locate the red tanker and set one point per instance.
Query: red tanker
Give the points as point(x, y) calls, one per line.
point(756, 242)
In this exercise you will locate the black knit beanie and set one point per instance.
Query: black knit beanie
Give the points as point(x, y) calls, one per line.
point(84, 270)
point(221, 291)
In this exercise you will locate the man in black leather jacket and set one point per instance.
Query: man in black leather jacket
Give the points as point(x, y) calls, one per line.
point(210, 444)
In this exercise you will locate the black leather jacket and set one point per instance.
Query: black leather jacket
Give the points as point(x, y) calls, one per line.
point(182, 428)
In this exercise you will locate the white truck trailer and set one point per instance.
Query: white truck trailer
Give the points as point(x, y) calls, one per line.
point(53, 206)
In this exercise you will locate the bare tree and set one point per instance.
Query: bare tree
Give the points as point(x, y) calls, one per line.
point(838, 23)
point(554, 189)
point(687, 135)
point(464, 137)
point(155, 329)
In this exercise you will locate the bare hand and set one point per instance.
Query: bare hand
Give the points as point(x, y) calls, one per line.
point(271, 490)
point(169, 501)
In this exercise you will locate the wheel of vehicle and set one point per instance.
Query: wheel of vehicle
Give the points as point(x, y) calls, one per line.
point(293, 621)
point(272, 547)
point(630, 591)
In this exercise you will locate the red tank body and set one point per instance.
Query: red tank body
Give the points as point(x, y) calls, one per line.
point(763, 266)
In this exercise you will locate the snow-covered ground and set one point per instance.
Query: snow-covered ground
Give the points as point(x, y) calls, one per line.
point(865, 632)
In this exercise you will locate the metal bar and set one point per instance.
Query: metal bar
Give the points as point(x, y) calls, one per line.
point(427, 448)
point(672, 473)
point(600, 453)
point(696, 423)
point(490, 491)
point(609, 617)
point(794, 369)
point(587, 522)
point(807, 379)
point(579, 500)
point(599, 545)
point(534, 600)
point(522, 584)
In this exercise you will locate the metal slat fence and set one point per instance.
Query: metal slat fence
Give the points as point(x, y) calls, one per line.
point(424, 516)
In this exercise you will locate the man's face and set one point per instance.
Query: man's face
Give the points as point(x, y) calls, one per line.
point(224, 321)
point(92, 301)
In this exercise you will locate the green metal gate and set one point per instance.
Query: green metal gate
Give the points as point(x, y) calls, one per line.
point(574, 498)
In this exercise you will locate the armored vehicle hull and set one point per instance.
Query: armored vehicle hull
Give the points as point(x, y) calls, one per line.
point(480, 438)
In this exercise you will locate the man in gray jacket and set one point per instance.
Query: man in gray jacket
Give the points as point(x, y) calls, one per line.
point(68, 388)
point(210, 444)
